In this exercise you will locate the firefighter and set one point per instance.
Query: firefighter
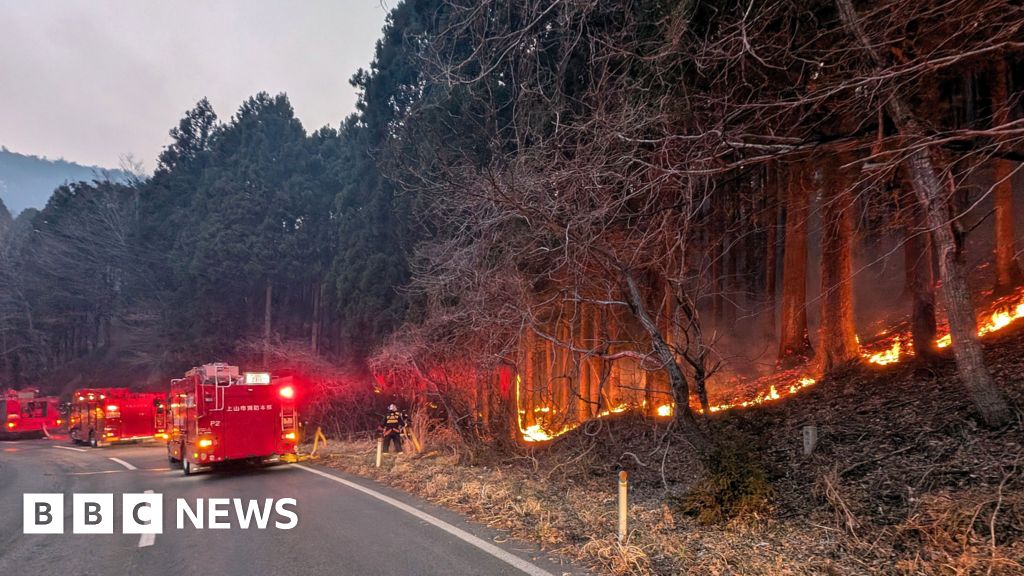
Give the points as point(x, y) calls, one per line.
point(392, 428)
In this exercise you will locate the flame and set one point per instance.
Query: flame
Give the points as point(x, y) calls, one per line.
point(771, 395)
point(888, 356)
point(614, 410)
point(1001, 314)
point(539, 432)
point(1001, 319)
point(886, 348)
point(536, 433)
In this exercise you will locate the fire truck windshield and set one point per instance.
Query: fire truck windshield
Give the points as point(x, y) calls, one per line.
point(222, 382)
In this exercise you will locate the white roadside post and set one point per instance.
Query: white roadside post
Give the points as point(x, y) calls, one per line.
point(380, 450)
point(810, 439)
point(623, 504)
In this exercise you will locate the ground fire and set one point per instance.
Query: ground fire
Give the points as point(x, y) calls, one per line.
point(888, 347)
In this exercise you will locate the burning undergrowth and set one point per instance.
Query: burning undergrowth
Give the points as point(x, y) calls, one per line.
point(902, 481)
point(887, 346)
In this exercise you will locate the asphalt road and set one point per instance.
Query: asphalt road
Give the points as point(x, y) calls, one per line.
point(346, 525)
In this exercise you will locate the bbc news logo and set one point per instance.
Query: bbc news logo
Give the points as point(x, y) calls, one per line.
point(144, 513)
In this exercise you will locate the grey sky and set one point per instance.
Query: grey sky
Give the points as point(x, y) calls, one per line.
point(91, 80)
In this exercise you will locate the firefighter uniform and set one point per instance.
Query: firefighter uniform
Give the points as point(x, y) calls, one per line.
point(392, 427)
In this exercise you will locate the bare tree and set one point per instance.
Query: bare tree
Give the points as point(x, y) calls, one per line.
point(932, 195)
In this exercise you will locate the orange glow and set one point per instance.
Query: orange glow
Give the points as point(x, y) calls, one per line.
point(771, 395)
point(887, 348)
point(541, 433)
point(615, 410)
point(1001, 318)
point(290, 436)
point(287, 392)
point(887, 356)
point(999, 315)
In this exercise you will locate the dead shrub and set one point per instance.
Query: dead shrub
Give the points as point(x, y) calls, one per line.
point(735, 484)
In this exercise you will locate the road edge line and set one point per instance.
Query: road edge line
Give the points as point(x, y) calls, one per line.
point(147, 539)
point(123, 463)
point(507, 557)
point(69, 448)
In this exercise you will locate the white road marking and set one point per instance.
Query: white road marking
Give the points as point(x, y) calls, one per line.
point(147, 539)
point(123, 463)
point(459, 533)
point(70, 448)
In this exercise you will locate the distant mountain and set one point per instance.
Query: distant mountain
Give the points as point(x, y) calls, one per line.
point(28, 181)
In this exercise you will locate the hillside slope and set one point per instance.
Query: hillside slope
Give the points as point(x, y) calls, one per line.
point(903, 481)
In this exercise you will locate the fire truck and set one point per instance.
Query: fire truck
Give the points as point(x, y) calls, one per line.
point(221, 415)
point(101, 416)
point(27, 414)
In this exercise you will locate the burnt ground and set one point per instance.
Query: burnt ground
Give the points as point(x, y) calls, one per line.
point(904, 480)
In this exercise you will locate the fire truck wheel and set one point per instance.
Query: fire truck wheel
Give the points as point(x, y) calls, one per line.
point(186, 466)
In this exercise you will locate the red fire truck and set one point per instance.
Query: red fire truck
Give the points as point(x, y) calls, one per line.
point(102, 416)
point(26, 414)
point(219, 414)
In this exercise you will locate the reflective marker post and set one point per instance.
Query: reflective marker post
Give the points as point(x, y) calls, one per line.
point(623, 503)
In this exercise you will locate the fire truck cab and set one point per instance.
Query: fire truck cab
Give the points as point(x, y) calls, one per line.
point(101, 416)
point(219, 414)
point(27, 414)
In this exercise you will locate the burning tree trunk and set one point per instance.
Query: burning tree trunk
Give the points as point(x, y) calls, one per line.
point(794, 344)
point(1008, 274)
point(583, 362)
point(838, 344)
point(526, 378)
point(920, 282)
point(771, 251)
point(716, 240)
point(987, 397)
point(604, 367)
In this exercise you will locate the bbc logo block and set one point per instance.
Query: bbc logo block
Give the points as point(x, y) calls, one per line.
point(142, 514)
point(43, 514)
point(92, 513)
